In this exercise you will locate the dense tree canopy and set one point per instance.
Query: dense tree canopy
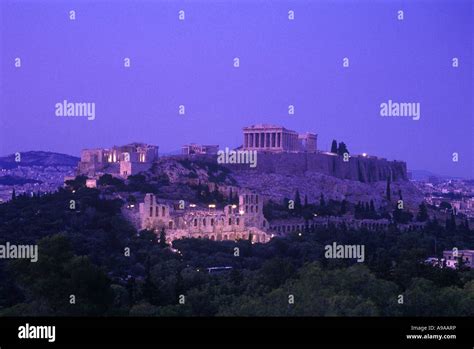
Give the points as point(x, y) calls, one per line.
point(83, 253)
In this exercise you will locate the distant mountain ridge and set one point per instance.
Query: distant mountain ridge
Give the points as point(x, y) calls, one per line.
point(423, 175)
point(38, 158)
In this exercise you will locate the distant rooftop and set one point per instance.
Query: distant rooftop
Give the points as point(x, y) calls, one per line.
point(460, 251)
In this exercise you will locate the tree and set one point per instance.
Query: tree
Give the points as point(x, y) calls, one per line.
point(203, 193)
point(444, 205)
point(108, 179)
point(422, 215)
point(401, 216)
point(372, 207)
point(358, 210)
point(334, 147)
point(297, 201)
point(453, 220)
point(131, 199)
point(461, 263)
point(305, 201)
point(13, 194)
point(388, 191)
point(48, 283)
point(343, 207)
point(451, 223)
point(276, 271)
point(78, 182)
point(163, 243)
point(216, 195)
point(342, 149)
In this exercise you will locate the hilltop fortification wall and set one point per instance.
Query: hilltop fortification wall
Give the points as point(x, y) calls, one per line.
point(363, 169)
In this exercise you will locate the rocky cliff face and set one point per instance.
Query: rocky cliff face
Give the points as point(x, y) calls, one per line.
point(365, 170)
point(312, 184)
point(278, 176)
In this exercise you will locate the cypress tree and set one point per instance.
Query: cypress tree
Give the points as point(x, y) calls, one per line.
point(163, 238)
point(388, 191)
point(334, 147)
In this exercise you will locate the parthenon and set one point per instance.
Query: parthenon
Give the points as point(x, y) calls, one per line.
point(273, 138)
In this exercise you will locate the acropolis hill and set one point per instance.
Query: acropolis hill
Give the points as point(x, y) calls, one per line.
point(172, 194)
point(287, 161)
point(280, 151)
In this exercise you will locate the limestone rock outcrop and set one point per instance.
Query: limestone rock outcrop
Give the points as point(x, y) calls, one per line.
point(362, 169)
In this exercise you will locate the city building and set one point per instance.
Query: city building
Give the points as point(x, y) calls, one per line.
point(453, 257)
point(91, 183)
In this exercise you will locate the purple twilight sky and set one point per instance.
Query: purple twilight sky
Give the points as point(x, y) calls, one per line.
point(282, 62)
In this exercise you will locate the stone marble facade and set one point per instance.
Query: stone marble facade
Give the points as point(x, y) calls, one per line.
point(272, 138)
point(123, 160)
point(234, 222)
